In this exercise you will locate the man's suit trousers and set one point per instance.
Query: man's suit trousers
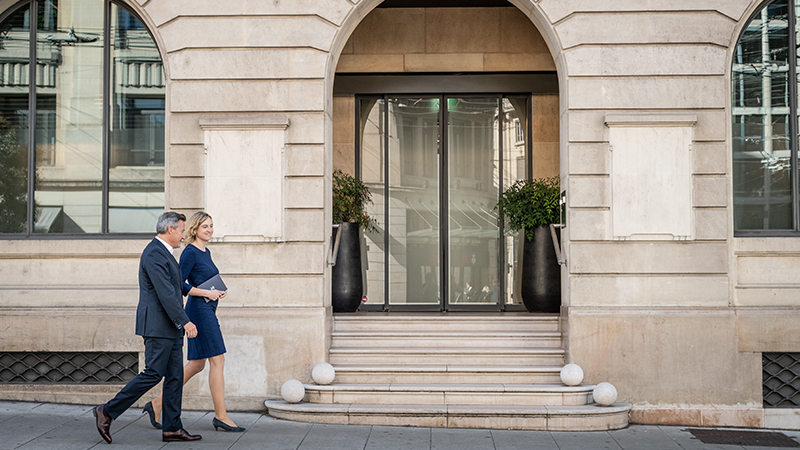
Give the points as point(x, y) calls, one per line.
point(163, 358)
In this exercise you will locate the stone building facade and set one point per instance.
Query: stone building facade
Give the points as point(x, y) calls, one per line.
point(669, 290)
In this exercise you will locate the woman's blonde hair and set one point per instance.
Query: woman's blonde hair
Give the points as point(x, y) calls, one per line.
point(195, 221)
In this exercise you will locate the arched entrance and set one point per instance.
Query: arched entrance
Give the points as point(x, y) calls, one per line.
point(438, 110)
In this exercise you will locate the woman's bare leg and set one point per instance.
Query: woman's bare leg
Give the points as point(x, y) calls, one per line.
point(192, 368)
point(216, 380)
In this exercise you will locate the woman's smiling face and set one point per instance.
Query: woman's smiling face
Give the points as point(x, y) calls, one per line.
point(206, 230)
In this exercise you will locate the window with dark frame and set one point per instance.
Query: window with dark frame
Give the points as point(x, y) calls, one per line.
point(82, 109)
point(764, 124)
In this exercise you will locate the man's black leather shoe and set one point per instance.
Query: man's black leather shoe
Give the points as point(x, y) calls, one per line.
point(180, 435)
point(103, 422)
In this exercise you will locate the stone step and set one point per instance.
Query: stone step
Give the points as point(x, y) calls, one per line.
point(540, 356)
point(506, 322)
point(349, 374)
point(451, 394)
point(551, 418)
point(453, 339)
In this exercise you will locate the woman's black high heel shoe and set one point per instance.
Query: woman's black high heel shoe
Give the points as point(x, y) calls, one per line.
point(148, 408)
point(220, 424)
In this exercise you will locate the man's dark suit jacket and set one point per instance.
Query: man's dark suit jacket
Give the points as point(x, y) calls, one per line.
point(160, 312)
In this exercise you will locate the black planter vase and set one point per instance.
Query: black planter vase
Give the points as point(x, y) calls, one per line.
point(541, 274)
point(347, 286)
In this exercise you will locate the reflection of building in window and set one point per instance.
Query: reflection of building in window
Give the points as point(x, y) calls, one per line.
point(762, 119)
point(80, 167)
point(520, 135)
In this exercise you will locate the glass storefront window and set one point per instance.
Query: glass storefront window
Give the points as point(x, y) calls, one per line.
point(94, 161)
point(765, 190)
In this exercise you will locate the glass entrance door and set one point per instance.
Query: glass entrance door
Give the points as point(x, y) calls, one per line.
point(435, 166)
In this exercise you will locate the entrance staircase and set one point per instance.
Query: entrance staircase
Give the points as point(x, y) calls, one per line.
point(450, 370)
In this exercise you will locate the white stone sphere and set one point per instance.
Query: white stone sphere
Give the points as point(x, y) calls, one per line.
point(605, 394)
point(323, 373)
point(293, 391)
point(571, 375)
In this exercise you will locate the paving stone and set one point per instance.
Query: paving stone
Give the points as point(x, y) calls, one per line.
point(398, 438)
point(517, 439)
point(461, 439)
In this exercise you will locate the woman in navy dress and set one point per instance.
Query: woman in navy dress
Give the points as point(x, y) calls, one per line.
point(196, 268)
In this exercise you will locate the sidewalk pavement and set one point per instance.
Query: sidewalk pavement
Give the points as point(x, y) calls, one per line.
point(71, 427)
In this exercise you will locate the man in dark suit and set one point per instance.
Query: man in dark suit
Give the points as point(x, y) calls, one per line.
point(161, 321)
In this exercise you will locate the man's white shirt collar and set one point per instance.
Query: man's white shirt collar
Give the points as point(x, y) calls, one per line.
point(169, 247)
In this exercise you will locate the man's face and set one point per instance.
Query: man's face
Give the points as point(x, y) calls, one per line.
point(174, 235)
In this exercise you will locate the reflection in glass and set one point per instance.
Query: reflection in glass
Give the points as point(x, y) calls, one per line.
point(515, 123)
point(14, 70)
point(761, 148)
point(413, 222)
point(136, 172)
point(474, 180)
point(372, 134)
point(69, 116)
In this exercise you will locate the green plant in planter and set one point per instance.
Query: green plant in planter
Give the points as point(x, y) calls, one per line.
point(350, 198)
point(528, 204)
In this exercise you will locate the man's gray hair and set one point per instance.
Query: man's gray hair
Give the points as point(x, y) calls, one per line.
point(168, 219)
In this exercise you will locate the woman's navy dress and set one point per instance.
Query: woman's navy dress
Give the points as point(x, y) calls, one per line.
point(196, 268)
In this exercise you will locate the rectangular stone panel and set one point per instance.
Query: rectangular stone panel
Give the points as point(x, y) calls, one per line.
point(590, 192)
point(248, 163)
point(647, 93)
point(588, 159)
point(331, 10)
point(305, 160)
point(274, 291)
point(774, 245)
point(710, 158)
point(271, 258)
point(646, 27)
point(257, 63)
point(184, 128)
point(652, 291)
point(87, 296)
point(305, 193)
point(768, 330)
point(608, 342)
point(103, 248)
point(558, 10)
point(648, 257)
point(70, 272)
point(305, 225)
point(185, 193)
point(643, 60)
point(711, 224)
point(186, 161)
point(765, 270)
point(246, 96)
point(710, 190)
point(306, 129)
point(509, 62)
point(765, 297)
point(437, 62)
point(247, 31)
point(54, 329)
point(651, 181)
point(588, 225)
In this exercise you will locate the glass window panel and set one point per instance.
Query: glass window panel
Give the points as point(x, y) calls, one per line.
point(515, 110)
point(14, 70)
point(136, 172)
point(762, 185)
point(474, 180)
point(413, 222)
point(69, 113)
point(371, 115)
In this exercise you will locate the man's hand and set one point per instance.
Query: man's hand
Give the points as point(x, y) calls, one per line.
point(191, 330)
